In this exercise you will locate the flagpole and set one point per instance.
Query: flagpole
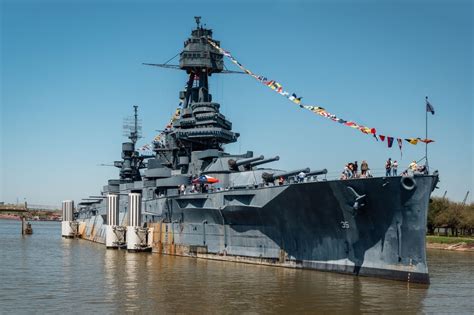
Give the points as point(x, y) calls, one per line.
point(426, 133)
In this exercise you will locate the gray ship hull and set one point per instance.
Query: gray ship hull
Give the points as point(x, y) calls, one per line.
point(314, 225)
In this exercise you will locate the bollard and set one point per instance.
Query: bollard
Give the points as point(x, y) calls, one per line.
point(68, 218)
point(136, 234)
point(114, 235)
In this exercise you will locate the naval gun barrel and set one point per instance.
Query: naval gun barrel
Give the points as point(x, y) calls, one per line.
point(318, 172)
point(276, 158)
point(271, 177)
point(248, 161)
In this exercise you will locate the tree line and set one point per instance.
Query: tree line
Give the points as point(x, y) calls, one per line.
point(450, 217)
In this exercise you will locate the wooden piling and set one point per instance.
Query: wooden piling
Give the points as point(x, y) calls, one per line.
point(22, 225)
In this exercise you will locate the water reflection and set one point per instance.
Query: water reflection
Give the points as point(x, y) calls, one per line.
point(64, 275)
point(130, 284)
point(153, 282)
point(110, 275)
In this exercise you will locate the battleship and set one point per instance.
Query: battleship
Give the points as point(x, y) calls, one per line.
point(167, 203)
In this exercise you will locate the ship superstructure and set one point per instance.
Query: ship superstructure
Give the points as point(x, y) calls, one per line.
point(167, 202)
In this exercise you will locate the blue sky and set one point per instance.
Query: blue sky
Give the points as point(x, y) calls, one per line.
point(71, 71)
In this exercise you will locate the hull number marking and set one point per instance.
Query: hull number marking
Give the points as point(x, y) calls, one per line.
point(344, 224)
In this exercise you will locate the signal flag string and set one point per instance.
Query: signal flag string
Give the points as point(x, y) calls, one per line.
point(278, 88)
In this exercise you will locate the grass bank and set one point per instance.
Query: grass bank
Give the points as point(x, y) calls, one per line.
point(434, 239)
point(450, 243)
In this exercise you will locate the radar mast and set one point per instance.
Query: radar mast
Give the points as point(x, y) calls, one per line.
point(199, 125)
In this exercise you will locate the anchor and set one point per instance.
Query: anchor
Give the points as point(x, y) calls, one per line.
point(359, 200)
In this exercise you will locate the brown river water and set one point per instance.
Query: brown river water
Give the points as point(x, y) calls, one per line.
point(43, 273)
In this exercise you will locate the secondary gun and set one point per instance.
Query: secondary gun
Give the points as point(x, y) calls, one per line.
point(318, 172)
point(276, 158)
point(269, 177)
point(234, 165)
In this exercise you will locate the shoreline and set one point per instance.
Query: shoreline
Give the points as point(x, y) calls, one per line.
point(10, 217)
point(452, 243)
point(18, 218)
point(458, 247)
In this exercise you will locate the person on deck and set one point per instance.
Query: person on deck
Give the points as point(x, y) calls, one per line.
point(422, 169)
point(394, 168)
point(363, 169)
point(369, 173)
point(343, 175)
point(301, 177)
point(347, 172)
point(355, 167)
point(351, 170)
point(413, 166)
point(388, 167)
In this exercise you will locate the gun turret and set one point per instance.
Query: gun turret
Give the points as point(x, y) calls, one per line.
point(269, 177)
point(276, 158)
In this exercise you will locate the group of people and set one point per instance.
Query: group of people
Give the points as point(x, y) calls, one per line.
point(391, 167)
point(195, 188)
point(414, 168)
point(202, 188)
point(351, 170)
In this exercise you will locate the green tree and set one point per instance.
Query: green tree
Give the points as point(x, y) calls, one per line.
point(467, 219)
point(436, 206)
point(443, 213)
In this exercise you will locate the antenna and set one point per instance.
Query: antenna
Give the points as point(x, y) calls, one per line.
point(135, 127)
point(198, 20)
point(132, 126)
